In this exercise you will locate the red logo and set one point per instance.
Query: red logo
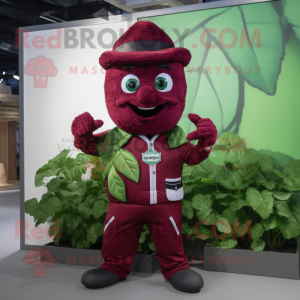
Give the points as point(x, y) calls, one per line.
point(39, 258)
point(40, 68)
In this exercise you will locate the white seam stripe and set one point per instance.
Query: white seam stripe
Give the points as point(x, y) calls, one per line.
point(111, 219)
point(154, 185)
point(144, 138)
point(151, 184)
point(174, 225)
point(173, 179)
point(152, 168)
point(154, 201)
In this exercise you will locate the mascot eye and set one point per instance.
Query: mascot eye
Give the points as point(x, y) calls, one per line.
point(130, 83)
point(163, 82)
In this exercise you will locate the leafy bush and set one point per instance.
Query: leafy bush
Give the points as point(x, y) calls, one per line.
point(246, 191)
point(79, 205)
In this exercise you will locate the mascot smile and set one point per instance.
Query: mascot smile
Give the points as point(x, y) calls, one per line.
point(145, 90)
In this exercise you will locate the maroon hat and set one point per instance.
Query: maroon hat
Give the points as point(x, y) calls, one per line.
point(144, 43)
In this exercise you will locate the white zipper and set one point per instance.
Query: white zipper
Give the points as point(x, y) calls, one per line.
point(152, 169)
point(174, 225)
point(111, 219)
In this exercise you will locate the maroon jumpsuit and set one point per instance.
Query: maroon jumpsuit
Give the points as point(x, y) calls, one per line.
point(154, 201)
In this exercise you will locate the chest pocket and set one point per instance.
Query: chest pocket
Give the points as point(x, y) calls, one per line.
point(174, 189)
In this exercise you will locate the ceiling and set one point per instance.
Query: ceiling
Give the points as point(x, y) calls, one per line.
point(23, 13)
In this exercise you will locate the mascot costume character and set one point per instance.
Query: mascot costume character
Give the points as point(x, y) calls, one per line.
point(145, 90)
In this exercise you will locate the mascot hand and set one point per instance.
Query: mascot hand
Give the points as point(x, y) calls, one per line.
point(85, 124)
point(206, 132)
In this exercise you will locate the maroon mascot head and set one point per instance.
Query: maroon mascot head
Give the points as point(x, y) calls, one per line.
point(145, 85)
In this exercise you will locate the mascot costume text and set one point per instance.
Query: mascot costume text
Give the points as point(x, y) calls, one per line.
point(145, 90)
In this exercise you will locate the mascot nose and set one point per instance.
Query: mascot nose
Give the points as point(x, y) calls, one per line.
point(146, 95)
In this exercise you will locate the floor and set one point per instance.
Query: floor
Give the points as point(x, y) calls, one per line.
point(18, 281)
point(10, 185)
point(9, 212)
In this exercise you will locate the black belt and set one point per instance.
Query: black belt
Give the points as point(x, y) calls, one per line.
point(173, 185)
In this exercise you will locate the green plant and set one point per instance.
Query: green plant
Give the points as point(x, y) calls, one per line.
point(76, 207)
point(146, 244)
point(246, 194)
point(247, 187)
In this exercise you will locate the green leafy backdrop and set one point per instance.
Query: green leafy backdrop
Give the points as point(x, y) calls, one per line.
point(260, 107)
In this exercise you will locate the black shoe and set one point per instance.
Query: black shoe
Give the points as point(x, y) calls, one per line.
point(187, 281)
point(98, 278)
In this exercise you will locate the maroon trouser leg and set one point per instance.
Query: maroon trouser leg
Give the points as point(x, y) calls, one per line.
point(122, 230)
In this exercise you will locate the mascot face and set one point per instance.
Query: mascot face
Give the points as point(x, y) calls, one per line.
point(146, 99)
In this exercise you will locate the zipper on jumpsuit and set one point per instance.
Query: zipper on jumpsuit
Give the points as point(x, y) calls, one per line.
point(152, 169)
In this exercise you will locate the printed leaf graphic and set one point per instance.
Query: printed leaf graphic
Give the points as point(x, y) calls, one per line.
point(219, 88)
point(291, 12)
point(116, 185)
point(105, 172)
point(266, 48)
point(223, 105)
point(127, 165)
point(110, 143)
point(176, 137)
point(210, 75)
